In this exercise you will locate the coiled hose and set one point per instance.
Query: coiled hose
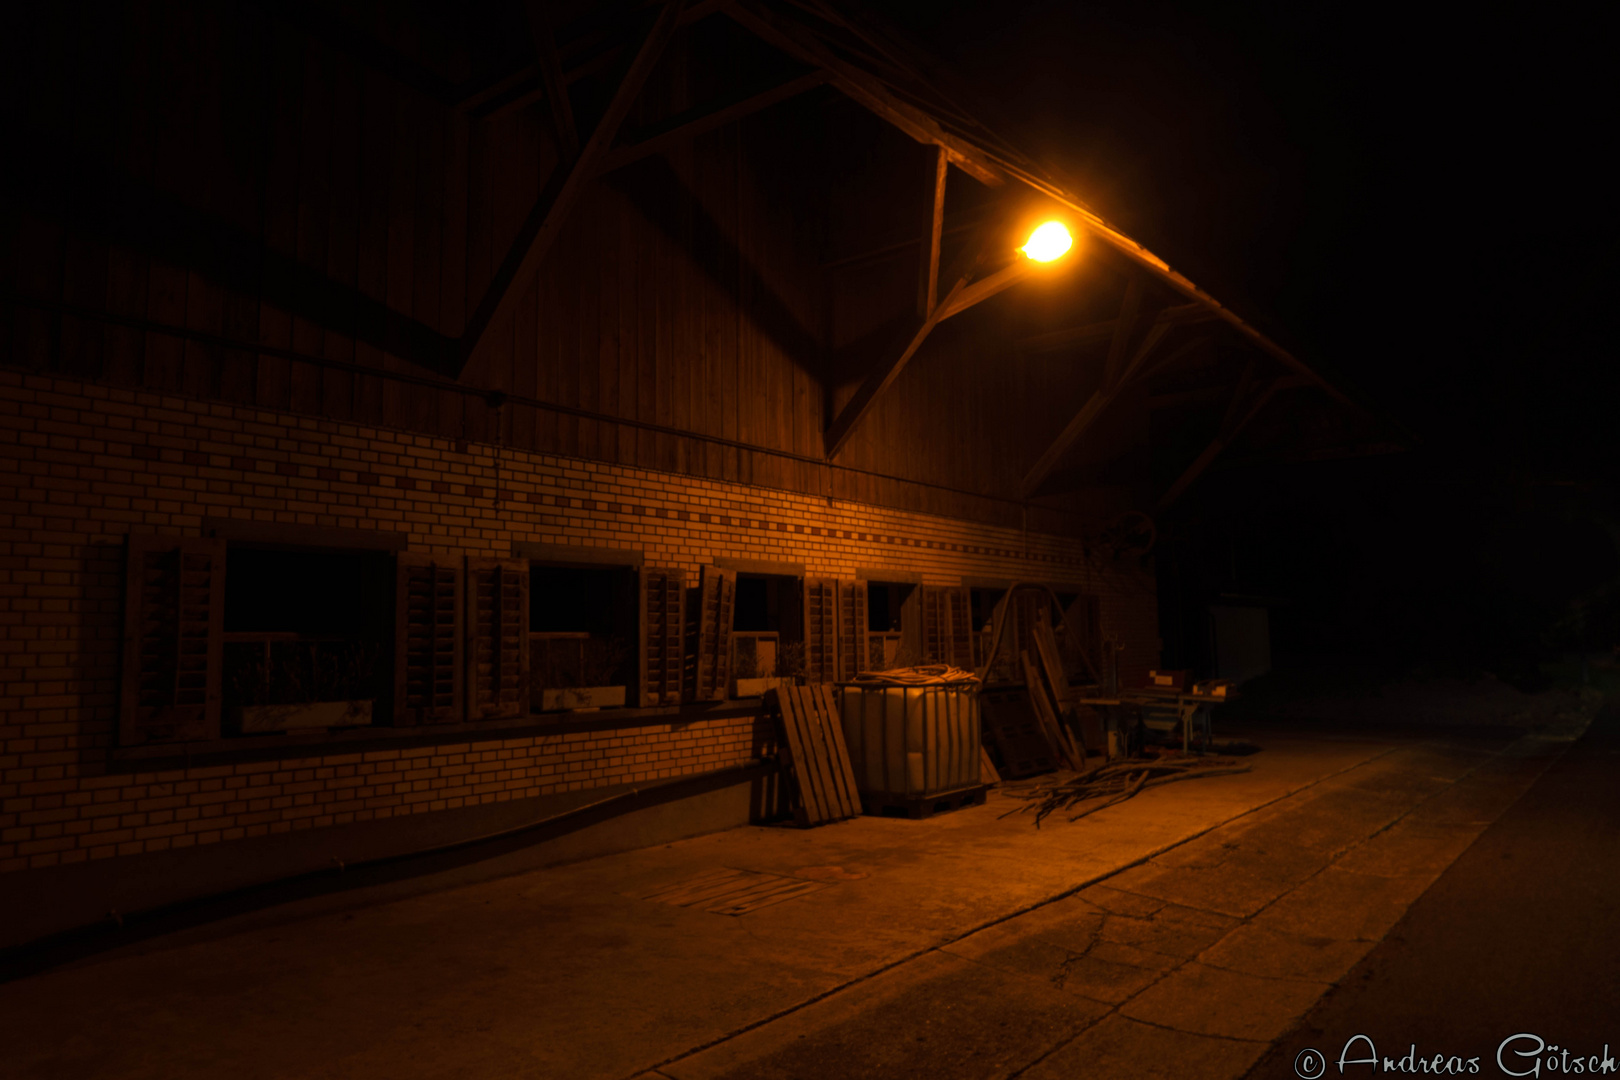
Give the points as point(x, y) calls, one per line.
point(923, 675)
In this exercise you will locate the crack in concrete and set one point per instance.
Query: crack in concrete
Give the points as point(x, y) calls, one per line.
point(910, 957)
point(1061, 976)
point(1334, 859)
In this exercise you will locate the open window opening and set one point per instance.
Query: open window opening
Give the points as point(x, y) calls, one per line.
point(584, 631)
point(308, 639)
point(982, 603)
point(893, 624)
point(767, 639)
point(1022, 611)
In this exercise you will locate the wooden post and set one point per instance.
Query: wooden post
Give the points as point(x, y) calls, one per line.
point(928, 278)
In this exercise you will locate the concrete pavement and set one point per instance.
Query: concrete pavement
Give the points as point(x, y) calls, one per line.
point(1184, 929)
point(1520, 935)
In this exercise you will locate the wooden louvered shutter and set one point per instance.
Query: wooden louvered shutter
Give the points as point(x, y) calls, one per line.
point(708, 620)
point(820, 630)
point(427, 640)
point(497, 649)
point(959, 616)
point(174, 640)
point(663, 591)
point(852, 625)
point(936, 626)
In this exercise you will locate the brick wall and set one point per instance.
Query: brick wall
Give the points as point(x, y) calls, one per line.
point(86, 464)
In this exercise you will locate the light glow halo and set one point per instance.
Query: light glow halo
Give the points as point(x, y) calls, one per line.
point(1049, 241)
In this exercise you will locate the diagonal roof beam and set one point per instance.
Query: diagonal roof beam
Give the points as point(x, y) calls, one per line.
point(882, 377)
point(1244, 407)
point(1153, 367)
point(563, 188)
point(1092, 223)
point(551, 78)
point(689, 125)
point(865, 89)
point(1124, 327)
point(992, 165)
point(928, 284)
point(1069, 335)
point(1104, 395)
point(985, 288)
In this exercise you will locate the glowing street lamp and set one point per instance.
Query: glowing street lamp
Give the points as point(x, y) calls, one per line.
point(1048, 242)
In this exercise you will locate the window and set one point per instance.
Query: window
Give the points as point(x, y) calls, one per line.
point(584, 634)
point(308, 639)
point(267, 629)
point(982, 604)
point(1073, 623)
point(768, 632)
point(893, 622)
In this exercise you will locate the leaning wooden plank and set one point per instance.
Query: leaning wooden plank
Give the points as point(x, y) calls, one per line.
point(1010, 719)
point(816, 745)
point(1043, 709)
point(1062, 701)
point(1046, 645)
point(1038, 704)
point(842, 765)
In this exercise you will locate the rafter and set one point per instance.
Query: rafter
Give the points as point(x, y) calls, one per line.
point(929, 283)
point(551, 79)
point(1069, 335)
point(1245, 405)
point(985, 288)
point(883, 376)
point(1124, 327)
point(563, 187)
point(1169, 359)
point(1099, 401)
point(694, 122)
point(865, 89)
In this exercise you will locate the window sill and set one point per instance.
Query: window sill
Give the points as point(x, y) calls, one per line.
point(166, 757)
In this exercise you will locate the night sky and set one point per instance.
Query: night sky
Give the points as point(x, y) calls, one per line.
point(1415, 205)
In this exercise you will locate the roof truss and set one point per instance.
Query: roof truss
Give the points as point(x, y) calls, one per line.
point(1248, 399)
point(563, 188)
point(1118, 373)
point(859, 60)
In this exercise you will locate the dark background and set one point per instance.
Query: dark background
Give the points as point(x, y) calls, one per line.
point(1415, 204)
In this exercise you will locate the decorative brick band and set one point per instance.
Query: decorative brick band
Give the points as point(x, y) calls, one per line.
point(87, 464)
point(552, 497)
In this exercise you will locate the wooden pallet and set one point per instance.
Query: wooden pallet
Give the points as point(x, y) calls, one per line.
point(816, 753)
point(1010, 720)
point(880, 804)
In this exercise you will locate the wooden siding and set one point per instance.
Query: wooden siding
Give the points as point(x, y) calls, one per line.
point(216, 202)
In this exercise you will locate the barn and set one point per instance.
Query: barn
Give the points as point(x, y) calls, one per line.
point(423, 419)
